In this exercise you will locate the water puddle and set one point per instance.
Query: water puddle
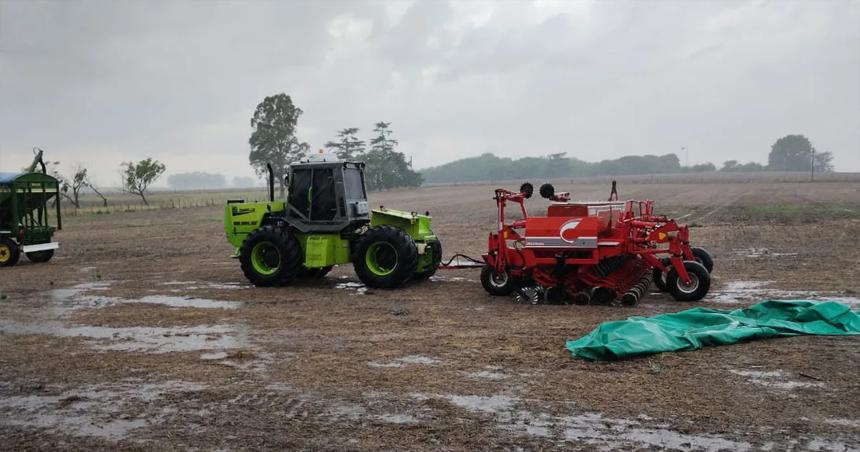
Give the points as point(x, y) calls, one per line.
point(760, 253)
point(137, 339)
point(73, 298)
point(437, 278)
point(776, 379)
point(354, 287)
point(205, 285)
point(488, 373)
point(585, 428)
point(405, 361)
point(737, 292)
point(107, 411)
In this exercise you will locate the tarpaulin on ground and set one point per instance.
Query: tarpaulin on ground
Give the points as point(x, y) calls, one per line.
point(695, 328)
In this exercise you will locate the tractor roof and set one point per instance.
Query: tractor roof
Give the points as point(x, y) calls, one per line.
point(329, 163)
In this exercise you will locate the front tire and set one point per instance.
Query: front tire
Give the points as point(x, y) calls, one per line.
point(9, 252)
point(270, 256)
point(496, 284)
point(385, 257)
point(700, 282)
point(40, 256)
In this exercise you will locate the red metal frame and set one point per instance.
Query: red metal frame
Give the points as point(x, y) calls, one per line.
point(567, 250)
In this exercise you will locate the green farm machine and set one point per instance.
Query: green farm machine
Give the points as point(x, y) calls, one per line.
point(25, 214)
point(325, 221)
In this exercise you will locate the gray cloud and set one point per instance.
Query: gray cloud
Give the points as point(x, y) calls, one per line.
point(102, 82)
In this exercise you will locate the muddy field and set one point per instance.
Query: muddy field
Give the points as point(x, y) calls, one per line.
point(143, 334)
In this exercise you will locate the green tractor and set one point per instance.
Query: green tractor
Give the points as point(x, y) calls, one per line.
point(325, 221)
point(25, 223)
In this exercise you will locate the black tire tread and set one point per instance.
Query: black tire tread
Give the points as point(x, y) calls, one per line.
point(40, 256)
point(704, 282)
point(16, 252)
point(291, 256)
point(486, 280)
point(404, 246)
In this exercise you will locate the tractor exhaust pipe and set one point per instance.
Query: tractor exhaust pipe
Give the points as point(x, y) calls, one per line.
point(639, 290)
point(271, 182)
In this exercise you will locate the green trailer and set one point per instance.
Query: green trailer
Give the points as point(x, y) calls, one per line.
point(28, 219)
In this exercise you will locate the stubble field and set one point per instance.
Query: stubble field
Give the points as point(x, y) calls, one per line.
point(143, 334)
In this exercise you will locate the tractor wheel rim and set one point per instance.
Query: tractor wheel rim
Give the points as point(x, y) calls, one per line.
point(689, 288)
point(499, 279)
point(265, 258)
point(5, 253)
point(381, 258)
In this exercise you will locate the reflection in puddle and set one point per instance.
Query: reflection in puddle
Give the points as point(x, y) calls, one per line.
point(357, 288)
point(735, 292)
point(406, 360)
point(102, 411)
point(775, 379)
point(138, 339)
point(590, 428)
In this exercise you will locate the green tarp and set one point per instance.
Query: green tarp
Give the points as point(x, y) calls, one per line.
point(695, 328)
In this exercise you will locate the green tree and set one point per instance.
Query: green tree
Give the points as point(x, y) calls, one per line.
point(137, 177)
point(823, 162)
point(790, 153)
point(387, 168)
point(349, 147)
point(273, 140)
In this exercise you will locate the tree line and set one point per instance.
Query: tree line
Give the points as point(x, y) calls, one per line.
point(790, 153)
point(273, 141)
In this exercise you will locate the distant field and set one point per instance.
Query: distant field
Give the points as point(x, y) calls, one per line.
point(779, 191)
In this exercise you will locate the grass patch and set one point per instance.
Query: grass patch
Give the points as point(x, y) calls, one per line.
point(795, 213)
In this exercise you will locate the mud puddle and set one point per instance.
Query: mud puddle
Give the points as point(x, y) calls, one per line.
point(79, 297)
point(206, 285)
point(736, 292)
point(406, 361)
point(589, 428)
point(355, 288)
point(109, 411)
point(777, 379)
point(754, 253)
point(137, 339)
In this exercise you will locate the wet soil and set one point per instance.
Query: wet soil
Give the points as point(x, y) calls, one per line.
point(142, 334)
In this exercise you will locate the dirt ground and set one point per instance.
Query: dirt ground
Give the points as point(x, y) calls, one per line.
point(143, 334)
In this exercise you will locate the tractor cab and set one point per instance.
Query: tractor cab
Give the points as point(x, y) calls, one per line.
point(327, 196)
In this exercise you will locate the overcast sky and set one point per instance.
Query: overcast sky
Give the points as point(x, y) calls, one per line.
point(98, 83)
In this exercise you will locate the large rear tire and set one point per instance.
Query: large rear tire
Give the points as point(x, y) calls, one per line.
point(40, 256)
point(9, 252)
point(700, 282)
point(434, 247)
point(385, 257)
point(270, 256)
point(496, 284)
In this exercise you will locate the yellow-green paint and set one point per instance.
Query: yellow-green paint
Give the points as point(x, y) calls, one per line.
point(240, 219)
point(323, 250)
